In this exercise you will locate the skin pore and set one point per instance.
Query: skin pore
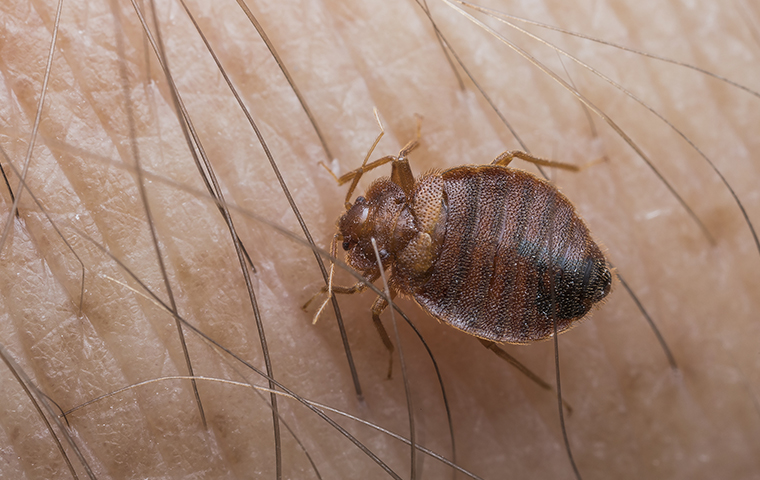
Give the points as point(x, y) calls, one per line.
point(633, 416)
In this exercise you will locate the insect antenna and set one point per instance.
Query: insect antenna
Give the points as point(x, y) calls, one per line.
point(333, 253)
point(355, 176)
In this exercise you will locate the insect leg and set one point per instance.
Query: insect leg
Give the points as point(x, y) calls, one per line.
point(377, 308)
point(355, 175)
point(505, 158)
point(329, 288)
point(412, 144)
point(501, 353)
point(359, 287)
point(407, 179)
point(401, 172)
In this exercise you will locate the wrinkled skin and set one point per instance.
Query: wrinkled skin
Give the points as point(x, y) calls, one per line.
point(633, 417)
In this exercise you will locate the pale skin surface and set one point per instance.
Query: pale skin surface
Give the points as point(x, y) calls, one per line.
point(634, 417)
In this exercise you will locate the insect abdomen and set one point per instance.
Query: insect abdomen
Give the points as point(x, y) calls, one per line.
point(493, 277)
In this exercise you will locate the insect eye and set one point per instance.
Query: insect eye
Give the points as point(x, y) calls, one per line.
point(359, 199)
point(346, 245)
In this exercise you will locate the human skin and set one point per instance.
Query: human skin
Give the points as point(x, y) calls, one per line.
point(633, 416)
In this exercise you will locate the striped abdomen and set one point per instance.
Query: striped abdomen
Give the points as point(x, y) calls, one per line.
point(514, 256)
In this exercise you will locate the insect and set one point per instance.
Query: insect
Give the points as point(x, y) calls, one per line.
point(490, 250)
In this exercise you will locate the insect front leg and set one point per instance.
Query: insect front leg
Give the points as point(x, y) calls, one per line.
point(505, 158)
point(377, 308)
point(330, 290)
point(335, 289)
point(355, 175)
point(401, 172)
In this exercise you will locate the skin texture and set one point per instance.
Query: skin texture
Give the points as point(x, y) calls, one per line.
point(633, 416)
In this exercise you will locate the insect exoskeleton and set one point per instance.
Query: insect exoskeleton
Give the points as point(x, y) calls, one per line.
point(493, 251)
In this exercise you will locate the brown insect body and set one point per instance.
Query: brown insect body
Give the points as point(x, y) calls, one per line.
point(496, 252)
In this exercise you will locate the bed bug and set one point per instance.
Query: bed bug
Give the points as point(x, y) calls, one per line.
point(491, 250)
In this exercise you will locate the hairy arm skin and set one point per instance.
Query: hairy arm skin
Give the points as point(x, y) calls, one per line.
point(633, 417)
